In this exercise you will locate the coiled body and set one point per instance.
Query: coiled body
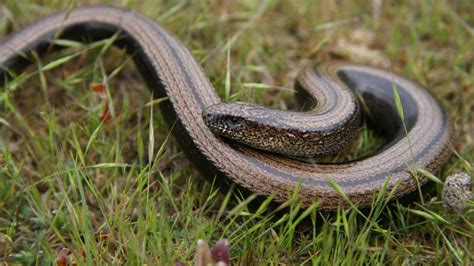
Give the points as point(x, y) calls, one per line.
point(170, 71)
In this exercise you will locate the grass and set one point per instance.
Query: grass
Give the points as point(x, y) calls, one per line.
point(70, 182)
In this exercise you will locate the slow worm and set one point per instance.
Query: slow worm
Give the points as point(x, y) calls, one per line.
point(267, 163)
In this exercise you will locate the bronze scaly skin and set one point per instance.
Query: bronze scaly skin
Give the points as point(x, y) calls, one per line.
point(170, 71)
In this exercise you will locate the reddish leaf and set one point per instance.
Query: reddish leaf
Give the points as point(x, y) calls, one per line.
point(105, 116)
point(84, 256)
point(62, 259)
point(220, 252)
point(99, 88)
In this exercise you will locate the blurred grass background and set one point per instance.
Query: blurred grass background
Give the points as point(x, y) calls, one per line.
point(64, 188)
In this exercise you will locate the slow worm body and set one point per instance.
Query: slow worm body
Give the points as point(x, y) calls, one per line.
point(170, 71)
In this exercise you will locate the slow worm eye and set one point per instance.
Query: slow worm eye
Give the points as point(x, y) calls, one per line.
point(234, 121)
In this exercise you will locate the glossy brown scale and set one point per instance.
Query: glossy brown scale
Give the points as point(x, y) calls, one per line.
point(170, 71)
